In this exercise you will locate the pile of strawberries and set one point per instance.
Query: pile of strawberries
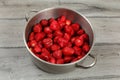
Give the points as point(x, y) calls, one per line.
point(58, 41)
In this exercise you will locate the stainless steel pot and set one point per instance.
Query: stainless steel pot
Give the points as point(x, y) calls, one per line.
point(75, 17)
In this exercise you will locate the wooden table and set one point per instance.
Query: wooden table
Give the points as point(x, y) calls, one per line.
point(15, 62)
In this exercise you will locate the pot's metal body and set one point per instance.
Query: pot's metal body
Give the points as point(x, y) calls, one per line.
point(75, 17)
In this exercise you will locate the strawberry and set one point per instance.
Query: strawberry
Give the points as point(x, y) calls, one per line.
point(68, 51)
point(80, 32)
point(44, 22)
point(86, 47)
point(47, 30)
point(79, 42)
point(78, 50)
point(67, 36)
point(51, 19)
point(62, 42)
point(52, 60)
point(80, 56)
point(73, 39)
point(85, 37)
point(44, 56)
point(33, 43)
point(58, 33)
point(67, 59)
point(60, 61)
point(31, 36)
point(37, 49)
point(39, 36)
point(69, 44)
point(50, 35)
point(54, 25)
point(75, 26)
point(68, 22)
point(44, 50)
point(57, 54)
point(69, 30)
point(63, 18)
point(47, 42)
point(74, 59)
point(37, 28)
point(55, 47)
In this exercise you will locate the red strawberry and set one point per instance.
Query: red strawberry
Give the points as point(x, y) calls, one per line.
point(85, 37)
point(31, 36)
point(55, 47)
point(44, 50)
point(86, 48)
point(50, 35)
point(57, 54)
point(62, 24)
point(51, 19)
point(39, 36)
point(54, 25)
point(74, 59)
point(75, 26)
point(45, 56)
point(67, 59)
point(78, 50)
point(67, 36)
point(31, 49)
point(44, 22)
point(62, 42)
point(33, 43)
point(60, 61)
point(80, 56)
point(73, 39)
point(52, 60)
point(68, 22)
point(58, 33)
point(83, 53)
point(80, 32)
point(37, 49)
point(79, 42)
point(62, 18)
point(69, 44)
point(40, 44)
point(47, 30)
point(38, 55)
point(68, 51)
point(69, 30)
point(47, 42)
point(56, 39)
point(37, 28)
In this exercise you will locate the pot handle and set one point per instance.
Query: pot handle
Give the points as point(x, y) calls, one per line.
point(90, 65)
point(27, 15)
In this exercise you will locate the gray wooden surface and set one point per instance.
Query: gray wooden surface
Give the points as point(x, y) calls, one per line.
point(15, 62)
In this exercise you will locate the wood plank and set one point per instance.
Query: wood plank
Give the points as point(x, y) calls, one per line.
point(11, 32)
point(27, 2)
point(103, 4)
point(18, 8)
point(15, 64)
point(106, 30)
point(95, 8)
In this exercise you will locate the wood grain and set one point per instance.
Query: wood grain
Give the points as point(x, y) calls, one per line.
point(106, 30)
point(16, 64)
point(95, 8)
point(105, 4)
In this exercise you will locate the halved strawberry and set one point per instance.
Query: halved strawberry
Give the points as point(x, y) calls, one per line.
point(37, 28)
